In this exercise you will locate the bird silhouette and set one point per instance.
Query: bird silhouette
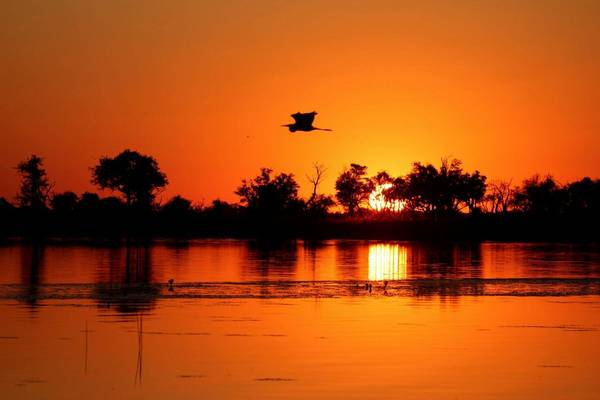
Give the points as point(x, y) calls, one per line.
point(304, 122)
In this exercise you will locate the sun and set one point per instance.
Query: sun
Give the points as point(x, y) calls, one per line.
point(378, 201)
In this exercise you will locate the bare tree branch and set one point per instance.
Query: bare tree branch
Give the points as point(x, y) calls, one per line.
point(316, 178)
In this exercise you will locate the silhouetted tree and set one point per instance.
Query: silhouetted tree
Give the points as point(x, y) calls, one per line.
point(450, 185)
point(64, 203)
point(5, 205)
point(135, 175)
point(270, 195)
point(353, 187)
point(584, 196)
point(382, 178)
point(500, 196)
point(423, 187)
point(7, 212)
point(445, 190)
point(220, 209)
point(398, 191)
point(35, 187)
point(471, 190)
point(177, 206)
point(316, 178)
point(540, 196)
point(220, 205)
point(88, 202)
point(390, 192)
point(112, 206)
point(318, 205)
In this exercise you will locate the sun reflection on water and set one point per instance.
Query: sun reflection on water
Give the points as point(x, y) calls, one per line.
point(387, 262)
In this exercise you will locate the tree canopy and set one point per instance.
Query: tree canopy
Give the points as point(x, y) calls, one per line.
point(266, 194)
point(35, 187)
point(353, 187)
point(445, 189)
point(427, 189)
point(64, 203)
point(135, 175)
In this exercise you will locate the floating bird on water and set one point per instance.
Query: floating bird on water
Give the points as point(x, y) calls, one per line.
point(304, 122)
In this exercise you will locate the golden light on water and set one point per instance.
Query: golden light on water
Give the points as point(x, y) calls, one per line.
point(378, 201)
point(387, 262)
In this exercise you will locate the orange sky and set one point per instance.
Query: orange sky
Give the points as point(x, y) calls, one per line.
point(511, 89)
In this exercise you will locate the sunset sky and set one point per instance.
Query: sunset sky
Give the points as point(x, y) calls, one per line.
point(510, 88)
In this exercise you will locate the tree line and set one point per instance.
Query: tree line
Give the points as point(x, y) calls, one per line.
point(426, 192)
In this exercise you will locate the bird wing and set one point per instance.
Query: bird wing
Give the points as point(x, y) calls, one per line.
point(304, 118)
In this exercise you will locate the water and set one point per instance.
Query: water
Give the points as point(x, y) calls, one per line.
point(294, 320)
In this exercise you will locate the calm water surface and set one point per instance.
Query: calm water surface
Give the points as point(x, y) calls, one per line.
point(294, 320)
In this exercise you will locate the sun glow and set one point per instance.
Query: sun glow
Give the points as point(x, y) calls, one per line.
point(379, 202)
point(387, 262)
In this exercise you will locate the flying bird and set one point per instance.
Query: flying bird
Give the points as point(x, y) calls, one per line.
point(304, 122)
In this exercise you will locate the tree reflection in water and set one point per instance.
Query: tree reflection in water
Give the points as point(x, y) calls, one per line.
point(32, 271)
point(131, 291)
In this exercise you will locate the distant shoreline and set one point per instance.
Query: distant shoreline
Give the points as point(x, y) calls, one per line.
point(502, 228)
